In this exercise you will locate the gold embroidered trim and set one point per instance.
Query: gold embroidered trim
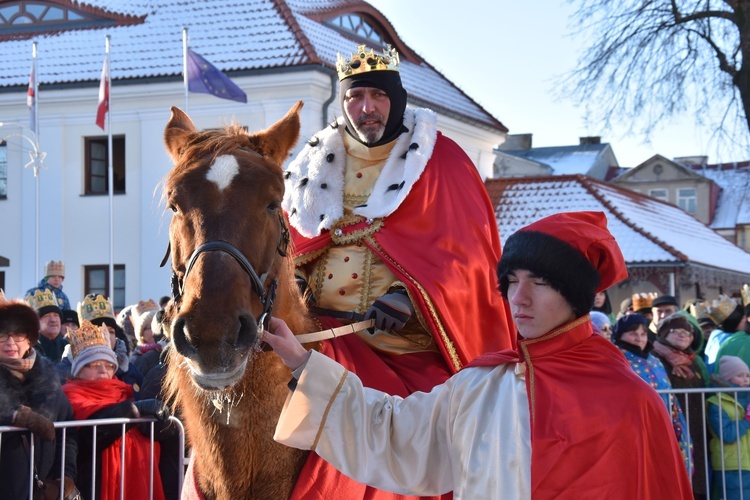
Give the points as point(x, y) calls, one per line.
point(449, 346)
point(319, 276)
point(355, 200)
point(365, 289)
point(302, 259)
point(354, 236)
point(328, 409)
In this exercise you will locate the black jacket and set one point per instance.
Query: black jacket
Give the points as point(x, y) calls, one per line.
point(40, 391)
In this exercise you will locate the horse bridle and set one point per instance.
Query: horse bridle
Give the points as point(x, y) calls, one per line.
point(266, 296)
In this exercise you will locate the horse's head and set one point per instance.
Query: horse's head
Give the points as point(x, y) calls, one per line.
point(227, 240)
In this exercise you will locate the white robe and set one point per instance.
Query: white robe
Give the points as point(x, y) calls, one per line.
point(469, 435)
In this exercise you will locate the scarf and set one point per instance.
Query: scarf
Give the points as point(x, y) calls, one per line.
point(89, 396)
point(680, 361)
point(19, 366)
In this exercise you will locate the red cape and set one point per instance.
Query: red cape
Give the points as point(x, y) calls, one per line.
point(456, 289)
point(89, 396)
point(597, 430)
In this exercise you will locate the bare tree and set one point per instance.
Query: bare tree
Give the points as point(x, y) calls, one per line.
point(654, 59)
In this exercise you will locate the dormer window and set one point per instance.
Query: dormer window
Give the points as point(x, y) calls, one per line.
point(354, 24)
point(24, 17)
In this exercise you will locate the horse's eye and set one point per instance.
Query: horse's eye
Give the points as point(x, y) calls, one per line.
point(273, 206)
point(173, 208)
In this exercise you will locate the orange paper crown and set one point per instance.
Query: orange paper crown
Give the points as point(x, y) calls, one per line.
point(88, 335)
point(363, 62)
point(94, 307)
point(53, 268)
point(643, 300)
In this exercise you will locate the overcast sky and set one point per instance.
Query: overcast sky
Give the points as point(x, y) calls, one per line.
point(505, 55)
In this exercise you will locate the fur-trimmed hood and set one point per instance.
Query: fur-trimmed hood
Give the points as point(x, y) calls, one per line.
point(314, 196)
point(39, 390)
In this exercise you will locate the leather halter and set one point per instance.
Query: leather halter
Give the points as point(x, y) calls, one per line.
point(266, 296)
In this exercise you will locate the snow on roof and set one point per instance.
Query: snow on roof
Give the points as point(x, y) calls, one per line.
point(564, 160)
point(648, 231)
point(733, 206)
point(233, 35)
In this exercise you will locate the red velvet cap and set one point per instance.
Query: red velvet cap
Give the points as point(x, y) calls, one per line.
point(587, 232)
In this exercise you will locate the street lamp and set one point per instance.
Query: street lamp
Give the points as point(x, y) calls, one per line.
point(36, 163)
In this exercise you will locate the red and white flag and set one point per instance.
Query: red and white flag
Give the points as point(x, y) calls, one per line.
point(31, 98)
point(103, 108)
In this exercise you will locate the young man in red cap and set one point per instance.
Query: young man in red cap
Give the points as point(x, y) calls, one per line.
point(561, 416)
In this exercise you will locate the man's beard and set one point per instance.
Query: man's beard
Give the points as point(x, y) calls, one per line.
point(371, 133)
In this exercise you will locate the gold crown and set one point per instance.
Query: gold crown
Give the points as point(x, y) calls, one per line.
point(53, 268)
point(364, 62)
point(42, 298)
point(88, 335)
point(145, 306)
point(643, 300)
point(745, 295)
point(94, 307)
point(699, 310)
point(720, 309)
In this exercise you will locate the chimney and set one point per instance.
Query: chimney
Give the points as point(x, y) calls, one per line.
point(586, 141)
point(516, 142)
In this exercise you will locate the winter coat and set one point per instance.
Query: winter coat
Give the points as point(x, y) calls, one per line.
point(40, 391)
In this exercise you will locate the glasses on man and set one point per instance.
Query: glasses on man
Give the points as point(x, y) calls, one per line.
point(101, 365)
point(680, 332)
point(17, 337)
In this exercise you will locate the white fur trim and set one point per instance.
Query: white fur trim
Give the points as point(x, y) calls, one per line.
point(314, 196)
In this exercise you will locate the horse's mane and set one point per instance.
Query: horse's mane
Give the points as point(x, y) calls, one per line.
point(217, 142)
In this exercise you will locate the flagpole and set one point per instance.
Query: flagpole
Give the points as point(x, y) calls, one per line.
point(184, 65)
point(110, 179)
point(35, 111)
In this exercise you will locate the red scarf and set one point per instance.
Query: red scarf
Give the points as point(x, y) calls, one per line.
point(89, 396)
point(680, 361)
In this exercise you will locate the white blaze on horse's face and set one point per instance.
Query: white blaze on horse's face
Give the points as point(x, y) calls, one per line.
point(223, 171)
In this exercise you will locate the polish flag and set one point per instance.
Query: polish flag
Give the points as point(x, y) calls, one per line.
point(31, 99)
point(103, 108)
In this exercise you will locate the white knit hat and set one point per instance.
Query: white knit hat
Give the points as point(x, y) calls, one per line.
point(731, 366)
point(91, 354)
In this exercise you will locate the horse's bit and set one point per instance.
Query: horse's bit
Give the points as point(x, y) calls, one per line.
point(267, 297)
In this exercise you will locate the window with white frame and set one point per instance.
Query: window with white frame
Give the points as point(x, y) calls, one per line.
point(96, 280)
point(687, 200)
point(354, 24)
point(659, 194)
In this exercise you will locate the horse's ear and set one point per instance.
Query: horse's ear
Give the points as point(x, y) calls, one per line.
point(179, 127)
point(277, 141)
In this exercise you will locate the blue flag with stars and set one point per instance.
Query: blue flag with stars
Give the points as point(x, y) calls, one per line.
point(205, 78)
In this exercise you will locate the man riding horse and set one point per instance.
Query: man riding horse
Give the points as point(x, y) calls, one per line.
point(391, 221)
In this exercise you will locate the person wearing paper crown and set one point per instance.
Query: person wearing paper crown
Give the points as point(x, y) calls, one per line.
point(95, 393)
point(54, 275)
point(98, 310)
point(52, 342)
point(31, 397)
point(148, 350)
point(391, 221)
point(730, 316)
point(561, 415)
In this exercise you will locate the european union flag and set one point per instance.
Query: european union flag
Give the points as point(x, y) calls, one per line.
point(205, 78)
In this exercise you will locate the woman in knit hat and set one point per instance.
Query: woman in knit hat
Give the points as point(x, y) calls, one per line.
point(602, 324)
point(31, 397)
point(96, 393)
point(729, 423)
point(631, 336)
point(515, 424)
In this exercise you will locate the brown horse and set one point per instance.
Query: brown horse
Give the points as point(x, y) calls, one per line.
point(228, 245)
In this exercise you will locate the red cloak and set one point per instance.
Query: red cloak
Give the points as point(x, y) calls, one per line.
point(597, 430)
point(89, 396)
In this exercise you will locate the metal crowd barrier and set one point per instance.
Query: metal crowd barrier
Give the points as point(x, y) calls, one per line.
point(706, 468)
point(123, 422)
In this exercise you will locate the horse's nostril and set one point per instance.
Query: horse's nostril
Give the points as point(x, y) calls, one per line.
point(248, 331)
point(180, 340)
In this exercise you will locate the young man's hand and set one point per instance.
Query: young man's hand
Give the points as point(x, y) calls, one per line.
point(285, 344)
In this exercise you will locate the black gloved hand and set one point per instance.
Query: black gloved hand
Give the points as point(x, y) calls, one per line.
point(153, 408)
point(391, 311)
point(36, 423)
